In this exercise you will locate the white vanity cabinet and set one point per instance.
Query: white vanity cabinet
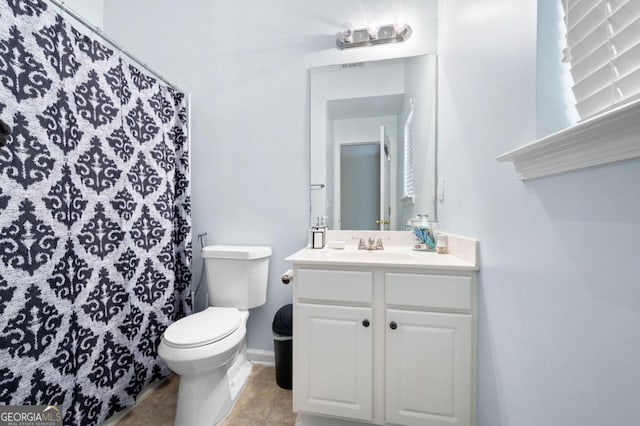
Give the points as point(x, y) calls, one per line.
point(429, 346)
point(381, 344)
point(333, 344)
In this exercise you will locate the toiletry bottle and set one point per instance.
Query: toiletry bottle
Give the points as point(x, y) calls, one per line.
point(441, 243)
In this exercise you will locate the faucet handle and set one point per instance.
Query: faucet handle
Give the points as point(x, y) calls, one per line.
point(379, 245)
point(361, 244)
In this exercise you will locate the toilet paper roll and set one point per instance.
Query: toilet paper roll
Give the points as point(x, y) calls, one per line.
point(287, 277)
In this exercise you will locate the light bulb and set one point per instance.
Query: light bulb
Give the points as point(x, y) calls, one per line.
point(346, 32)
point(400, 24)
point(373, 29)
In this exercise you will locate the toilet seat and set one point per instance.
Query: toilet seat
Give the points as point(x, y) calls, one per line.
point(202, 328)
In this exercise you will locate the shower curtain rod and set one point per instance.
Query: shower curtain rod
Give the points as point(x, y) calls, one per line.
point(112, 42)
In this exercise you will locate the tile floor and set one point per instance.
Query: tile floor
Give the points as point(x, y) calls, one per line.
point(261, 402)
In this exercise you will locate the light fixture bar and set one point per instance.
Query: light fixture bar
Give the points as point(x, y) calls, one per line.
point(361, 37)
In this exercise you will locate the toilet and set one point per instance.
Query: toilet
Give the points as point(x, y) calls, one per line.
point(208, 349)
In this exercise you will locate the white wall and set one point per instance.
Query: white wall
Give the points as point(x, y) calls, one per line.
point(366, 129)
point(246, 64)
point(558, 334)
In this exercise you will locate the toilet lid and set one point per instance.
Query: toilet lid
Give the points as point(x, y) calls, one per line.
point(203, 328)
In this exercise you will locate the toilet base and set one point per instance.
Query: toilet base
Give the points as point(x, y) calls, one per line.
point(211, 377)
point(205, 400)
point(239, 373)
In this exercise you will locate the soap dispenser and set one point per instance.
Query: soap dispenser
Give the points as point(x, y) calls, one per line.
point(318, 234)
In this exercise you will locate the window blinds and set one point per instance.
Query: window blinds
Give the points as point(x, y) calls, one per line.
point(409, 190)
point(604, 39)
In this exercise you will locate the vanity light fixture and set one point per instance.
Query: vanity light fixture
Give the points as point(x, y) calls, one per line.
point(372, 35)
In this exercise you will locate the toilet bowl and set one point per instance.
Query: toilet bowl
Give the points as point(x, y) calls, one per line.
point(208, 349)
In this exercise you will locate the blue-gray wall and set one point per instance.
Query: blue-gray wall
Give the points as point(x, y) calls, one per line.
point(559, 288)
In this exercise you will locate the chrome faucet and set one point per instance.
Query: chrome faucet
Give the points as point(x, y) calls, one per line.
point(371, 244)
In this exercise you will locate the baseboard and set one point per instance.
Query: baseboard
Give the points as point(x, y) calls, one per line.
point(258, 356)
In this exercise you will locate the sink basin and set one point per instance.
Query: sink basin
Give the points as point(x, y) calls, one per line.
point(372, 255)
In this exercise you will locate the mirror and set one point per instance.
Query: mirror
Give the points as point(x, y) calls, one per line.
point(373, 143)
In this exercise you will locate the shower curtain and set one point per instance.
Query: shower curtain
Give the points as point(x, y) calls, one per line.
point(95, 228)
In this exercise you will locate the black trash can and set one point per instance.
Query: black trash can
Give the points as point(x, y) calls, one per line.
point(283, 345)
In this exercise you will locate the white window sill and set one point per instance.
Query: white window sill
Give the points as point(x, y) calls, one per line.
point(606, 138)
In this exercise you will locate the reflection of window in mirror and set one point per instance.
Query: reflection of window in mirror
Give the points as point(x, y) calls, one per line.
point(408, 191)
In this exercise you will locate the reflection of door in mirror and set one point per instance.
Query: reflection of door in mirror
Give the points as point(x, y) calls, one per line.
point(359, 200)
point(369, 103)
point(360, 203)
point(378, 182)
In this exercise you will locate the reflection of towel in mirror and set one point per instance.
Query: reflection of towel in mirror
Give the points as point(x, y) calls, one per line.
point(5, 131)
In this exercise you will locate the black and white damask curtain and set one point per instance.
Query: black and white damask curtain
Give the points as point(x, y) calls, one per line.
point(95, 243)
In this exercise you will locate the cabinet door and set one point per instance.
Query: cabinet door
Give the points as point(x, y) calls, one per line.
point(428, 368)
point(333, 360)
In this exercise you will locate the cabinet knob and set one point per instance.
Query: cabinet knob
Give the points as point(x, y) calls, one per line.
point(365, 322)
point(393, 325)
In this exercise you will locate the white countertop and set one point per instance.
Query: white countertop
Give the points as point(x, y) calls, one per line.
point(393, 256)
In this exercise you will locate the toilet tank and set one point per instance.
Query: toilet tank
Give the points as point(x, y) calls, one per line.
point(237, 275)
